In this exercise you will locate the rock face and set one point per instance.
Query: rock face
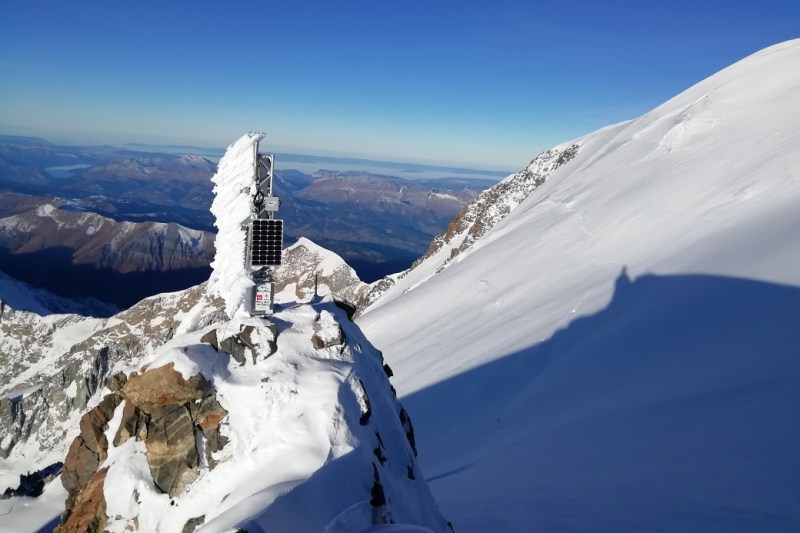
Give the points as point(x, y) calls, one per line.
point(88, 513)
point(495, 203)
point(166, 411)
point(88, 450)
point(56, 365)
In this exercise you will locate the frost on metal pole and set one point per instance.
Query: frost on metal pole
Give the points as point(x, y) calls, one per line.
point(264, 234)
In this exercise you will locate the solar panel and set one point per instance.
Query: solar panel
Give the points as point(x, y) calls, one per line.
point(266, 242)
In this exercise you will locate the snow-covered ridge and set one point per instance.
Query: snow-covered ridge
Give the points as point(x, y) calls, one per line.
point(309, 270)
point(627, 335)
point(471, 223)
point(22, 297)
point(61, 360)
point(311, 427)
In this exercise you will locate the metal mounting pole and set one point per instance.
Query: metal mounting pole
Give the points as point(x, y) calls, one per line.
point(265, 234)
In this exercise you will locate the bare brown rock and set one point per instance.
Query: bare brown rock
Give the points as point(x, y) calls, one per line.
point(172, 451)
point(88, 514)
point(133, 423)
point(164, 386)
point(166, 410)
point(79, 466)
point(89, 449)
point(116, 382)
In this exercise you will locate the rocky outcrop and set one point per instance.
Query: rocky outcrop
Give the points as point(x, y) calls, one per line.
point(495, 203)
point(166, 411)
point(21, 417)
point(308, 271)
point(477, 217)
point(88, 514)
point(245, 345)
point(327, 332)
point(171, 414)
point(88, 450)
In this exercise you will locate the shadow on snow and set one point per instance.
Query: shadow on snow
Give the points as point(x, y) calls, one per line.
point(676, 408)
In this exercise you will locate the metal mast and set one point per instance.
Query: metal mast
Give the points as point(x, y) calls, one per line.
point(264, 233)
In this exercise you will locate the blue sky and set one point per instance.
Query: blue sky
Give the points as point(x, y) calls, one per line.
point(484, 84)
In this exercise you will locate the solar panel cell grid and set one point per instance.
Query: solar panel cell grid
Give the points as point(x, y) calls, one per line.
point(266, 243)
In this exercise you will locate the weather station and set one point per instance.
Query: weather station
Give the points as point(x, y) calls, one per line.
point(264, 248)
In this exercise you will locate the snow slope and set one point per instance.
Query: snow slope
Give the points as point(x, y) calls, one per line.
point(622, 351)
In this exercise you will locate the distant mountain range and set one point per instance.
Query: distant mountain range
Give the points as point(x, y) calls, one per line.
point(379, 223)
point(83, 254)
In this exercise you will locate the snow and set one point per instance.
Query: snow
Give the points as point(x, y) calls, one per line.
point(231, 208)
point(444, 196)
point(19, 393)
point(23, 297)
point(23, 514)
point(298, 458)
point(620, 352)
point(45, 210)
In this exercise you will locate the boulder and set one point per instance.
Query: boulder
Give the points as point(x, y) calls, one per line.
point(166, 411)
point(208, 418)
point(241, 345)
point(133, 424)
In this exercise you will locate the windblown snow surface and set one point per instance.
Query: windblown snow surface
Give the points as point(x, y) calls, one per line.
point(622, 352)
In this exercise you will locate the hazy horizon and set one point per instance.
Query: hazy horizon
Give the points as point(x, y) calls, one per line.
point(287, 160)
point(487, 85)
